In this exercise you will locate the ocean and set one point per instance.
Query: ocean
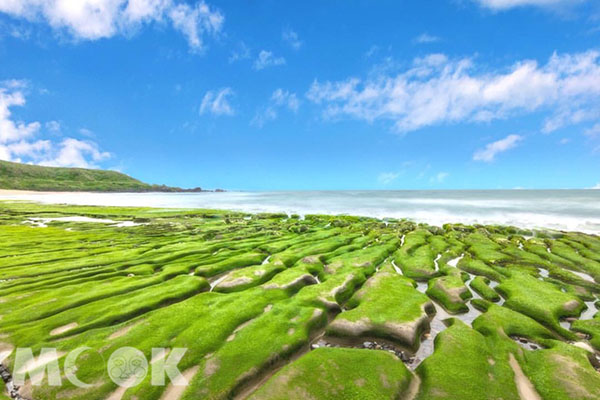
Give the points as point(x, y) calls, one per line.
point(571, 210)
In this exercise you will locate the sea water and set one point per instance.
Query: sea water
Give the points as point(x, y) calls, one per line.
point(571, 210)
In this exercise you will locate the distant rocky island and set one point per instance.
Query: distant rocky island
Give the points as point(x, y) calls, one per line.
point(16, 176)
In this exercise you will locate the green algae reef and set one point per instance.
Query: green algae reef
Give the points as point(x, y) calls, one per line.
point(251, 298)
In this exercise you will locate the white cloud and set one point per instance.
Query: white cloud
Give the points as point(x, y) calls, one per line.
point(385, 178)
point(241, 53)
point(564, 141)
point(506, 4)
point(18, 143)
point(267, 59)
point(291, 38)
point(76, 153)
point(437, 90)
point(97, 19)
point(279, 99)
point(11, 95)
point(426, 38)
point(16, 151)
point(440, 177)
point(372, 51)
point(284, 98)
point(53, 126)
point(488, 154)
point(596, 187)
point(262, 117)
point(569, 116)
point(194, 22)
point(87, 133)
point(593, 132)
point(216, 102)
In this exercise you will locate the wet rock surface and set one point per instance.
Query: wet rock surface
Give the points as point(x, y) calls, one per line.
point(12, 389)
point(527, 344)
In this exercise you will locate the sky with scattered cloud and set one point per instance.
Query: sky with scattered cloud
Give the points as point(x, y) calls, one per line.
point(254, 96)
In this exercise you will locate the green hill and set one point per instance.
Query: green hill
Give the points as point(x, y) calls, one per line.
point(17, 176)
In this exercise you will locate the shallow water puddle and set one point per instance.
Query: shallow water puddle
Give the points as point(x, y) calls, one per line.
point(470, 316)
point(468, 285)
point(584, 276)
point(427, 343)
point(422, 287)
point(126, 224)
point(396, 268)
point(526, 343)
point(454, 261)
point(43, 222)
point(435, 262)
point(589, 313)
point(216, 282)
point(595, 360)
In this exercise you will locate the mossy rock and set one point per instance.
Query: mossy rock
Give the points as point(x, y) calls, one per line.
point(388, 307)
point(338, 373)
point(450, 291)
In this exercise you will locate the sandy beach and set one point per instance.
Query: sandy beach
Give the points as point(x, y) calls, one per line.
point(10, 192)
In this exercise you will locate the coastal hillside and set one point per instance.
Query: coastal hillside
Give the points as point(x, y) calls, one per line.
point(15, 176)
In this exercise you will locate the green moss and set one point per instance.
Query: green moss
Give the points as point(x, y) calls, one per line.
point(387, 306)
point(449, 371)
point(277, 334)
point(416, 257)
point(368, 258)
point(95, 285)
point(478, 267)
point(591, 327)
point(240, 261)
point(3, 391)
point(562, 372)
point(508, 323)
point(540, 300)
point(248, 277)
point(484, 248)
point(108, 311)
point(450, 291)
point(333, 373)
point(582, 263)
point(480, 285)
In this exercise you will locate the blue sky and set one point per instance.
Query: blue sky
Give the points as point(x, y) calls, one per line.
point(258, 95)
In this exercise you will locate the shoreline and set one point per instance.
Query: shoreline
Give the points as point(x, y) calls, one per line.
point(568, 212)
point(17, 192)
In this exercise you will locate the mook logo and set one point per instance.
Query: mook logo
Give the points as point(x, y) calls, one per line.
point(127, 366)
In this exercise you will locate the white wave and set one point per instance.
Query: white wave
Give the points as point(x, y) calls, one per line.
point(575, 210)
